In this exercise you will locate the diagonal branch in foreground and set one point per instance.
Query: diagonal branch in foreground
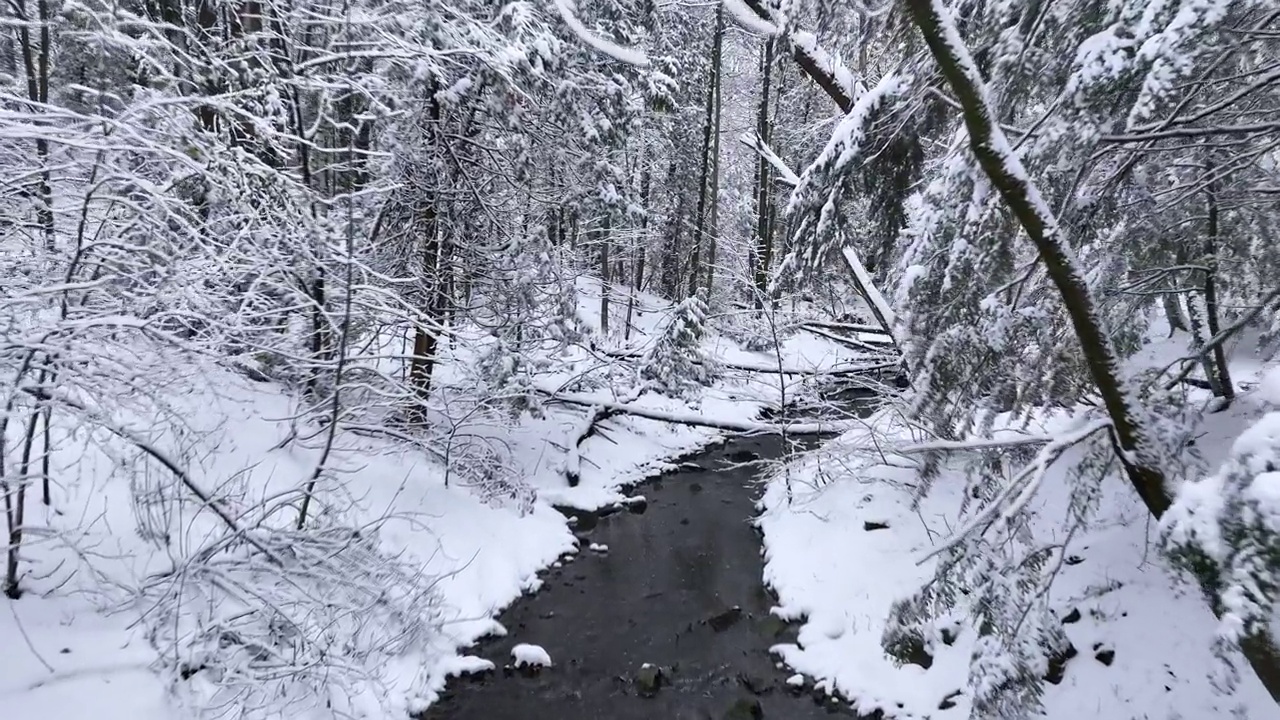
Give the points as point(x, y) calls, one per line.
point(1004, 168)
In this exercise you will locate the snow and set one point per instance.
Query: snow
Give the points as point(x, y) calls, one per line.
point(748, 19)
point(840, 581)
point(482, 552)
point(88, 656)
point(598, 547)
point(631, 56)
point(1228, 518)
point(525, 655)
point(1258, 444)
point(484, 556)
point(1268, 389)
point(459, 665)
point(1265, 490)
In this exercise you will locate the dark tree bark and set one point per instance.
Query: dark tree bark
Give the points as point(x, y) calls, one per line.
point(704, 177)
point(605, 241)
point(670, 267)
point(762, 257)
point(425, 338)
point(637, 280)
point(824, 77)
point(432, 269)
point(1224, 386)
point(35, 62)
point(714, 192)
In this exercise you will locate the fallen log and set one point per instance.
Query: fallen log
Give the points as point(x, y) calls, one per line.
point(850, 327)
point(596, 414)
point(603, 409)
point(847, 341)
point(863, 284)
point(878, 362)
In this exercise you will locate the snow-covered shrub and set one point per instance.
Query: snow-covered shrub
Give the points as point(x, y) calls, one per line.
point(532, 315)
point(677, 364)
point(759, 331)
point(276, 622)
point(1225, 530)
point(506, 374)
point(490, 475)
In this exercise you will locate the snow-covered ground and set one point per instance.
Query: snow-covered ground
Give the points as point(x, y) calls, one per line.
point(74, 647)
point(848, 543)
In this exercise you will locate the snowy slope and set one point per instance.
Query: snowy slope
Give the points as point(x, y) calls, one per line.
point(74, 648)
point(485, 555)
point(1143, 634)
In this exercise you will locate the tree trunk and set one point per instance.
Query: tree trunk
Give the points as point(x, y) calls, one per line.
point(713, 193)
point(635, 288)
point(809, 63)
point(1223, 384)
point(763, 251)
point(708, 128)
point(319, 326)
point(434, 287)
point(604, 277)
point(1173, 313)
point(425, 338)
point(35, 63)
point(670, 267)
point(1007, 174)
point(1197, 315)
point(638, 253)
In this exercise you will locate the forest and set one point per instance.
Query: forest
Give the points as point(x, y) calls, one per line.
point(464, 358)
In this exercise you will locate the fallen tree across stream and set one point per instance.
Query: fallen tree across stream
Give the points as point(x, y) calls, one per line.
point(604, 409)
point(889, 362)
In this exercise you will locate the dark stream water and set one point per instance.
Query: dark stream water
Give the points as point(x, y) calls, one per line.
point(680, 587)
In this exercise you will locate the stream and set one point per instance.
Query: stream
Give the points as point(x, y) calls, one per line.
point(679, 588)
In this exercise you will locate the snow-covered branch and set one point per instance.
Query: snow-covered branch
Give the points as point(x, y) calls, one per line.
point(830, 75)
point(756, 143)
point(1016, 493)
point(631, 56)
point(682, 417)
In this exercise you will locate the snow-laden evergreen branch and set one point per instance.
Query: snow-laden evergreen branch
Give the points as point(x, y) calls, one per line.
point(631, 56)
point(818, 204)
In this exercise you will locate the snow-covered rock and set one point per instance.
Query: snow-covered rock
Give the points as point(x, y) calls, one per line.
point(458, 665)
point(526, 655)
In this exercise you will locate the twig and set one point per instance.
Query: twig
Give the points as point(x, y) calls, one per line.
point(27, 638)
point(205, 498)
